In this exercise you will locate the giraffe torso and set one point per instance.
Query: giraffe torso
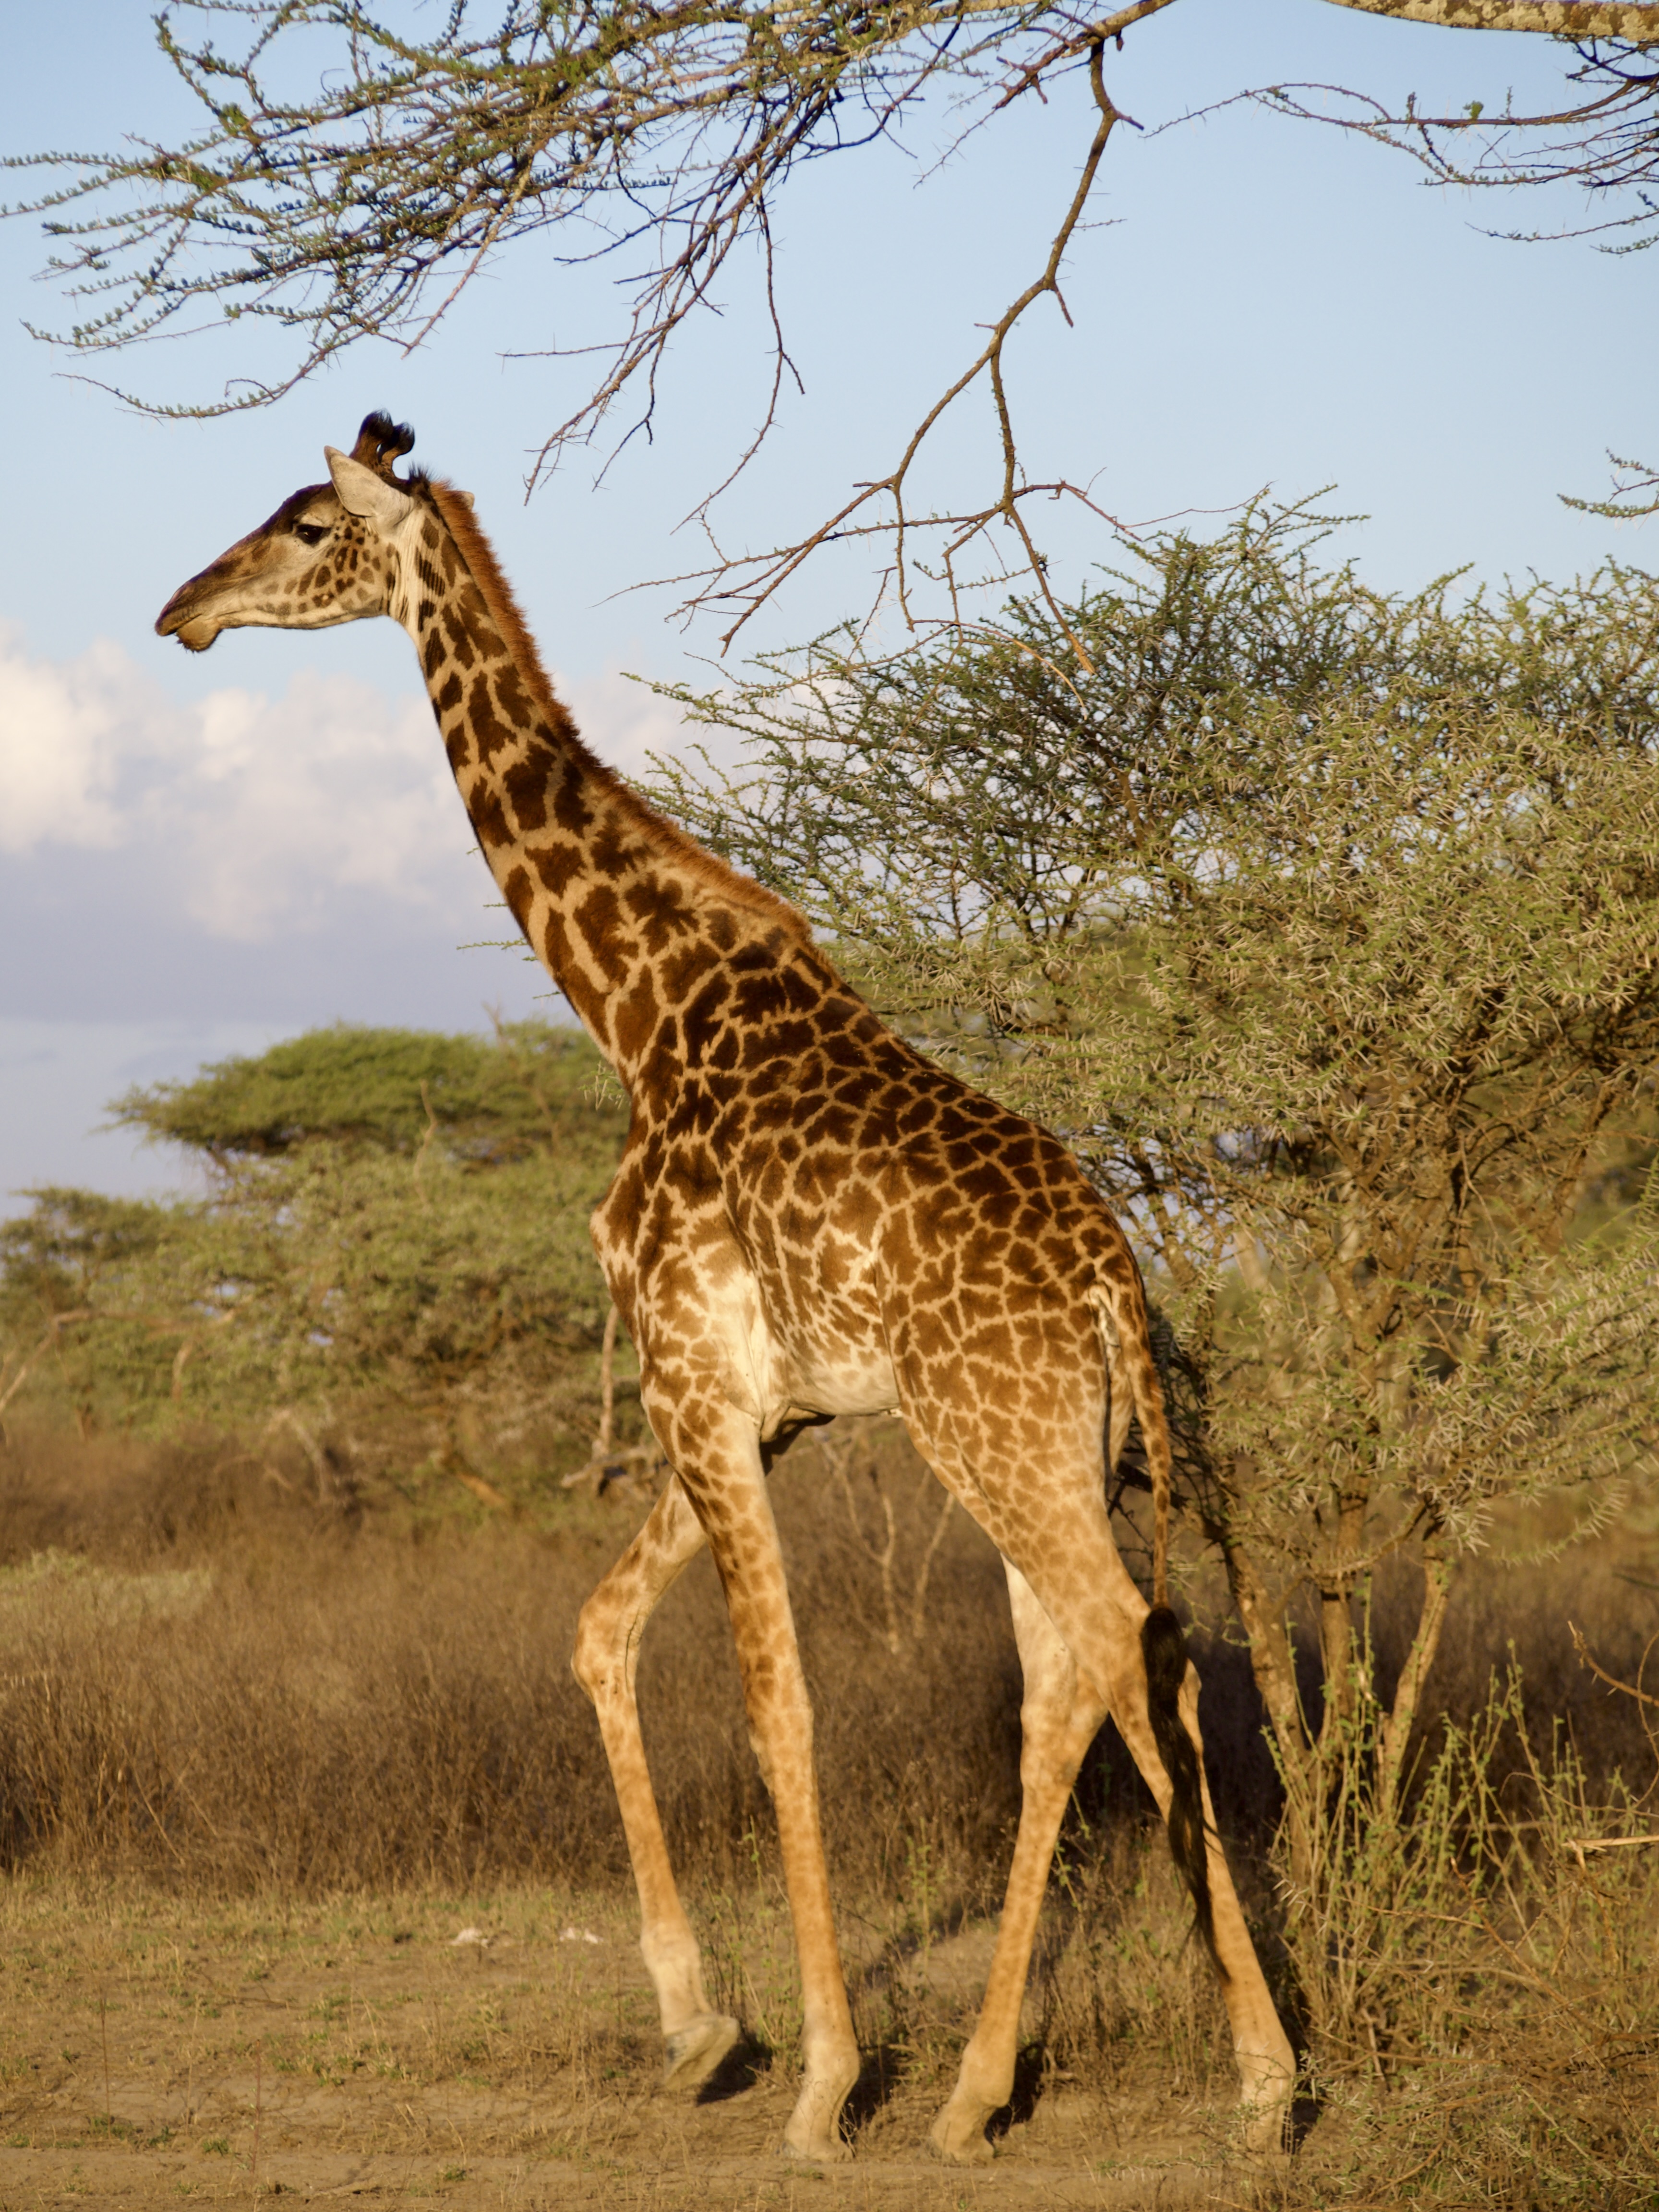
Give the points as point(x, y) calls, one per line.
point(838, 1226)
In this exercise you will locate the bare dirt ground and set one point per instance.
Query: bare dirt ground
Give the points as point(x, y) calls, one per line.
point(153, 2050)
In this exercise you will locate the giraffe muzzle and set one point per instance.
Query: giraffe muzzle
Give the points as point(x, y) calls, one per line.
point(195, 630)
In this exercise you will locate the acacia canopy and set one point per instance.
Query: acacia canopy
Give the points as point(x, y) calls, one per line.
point(391, 1245)
point(1321, 921)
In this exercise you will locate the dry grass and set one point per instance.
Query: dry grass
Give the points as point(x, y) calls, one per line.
point(274, 1736)
point(206, 1680)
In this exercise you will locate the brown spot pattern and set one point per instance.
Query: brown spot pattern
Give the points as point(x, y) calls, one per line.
point(802, 1190)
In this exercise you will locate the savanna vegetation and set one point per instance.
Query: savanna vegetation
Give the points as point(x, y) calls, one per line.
point(389, 1268)
point(1322, 923)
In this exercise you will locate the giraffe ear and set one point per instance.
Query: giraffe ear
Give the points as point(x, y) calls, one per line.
point(362, 491)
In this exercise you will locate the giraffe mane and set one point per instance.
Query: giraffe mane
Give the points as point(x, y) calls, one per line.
point(455, 510)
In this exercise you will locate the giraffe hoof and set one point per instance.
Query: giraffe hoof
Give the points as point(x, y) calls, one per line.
point(813, 2135)
point(832, 2151)
point(692, 2054)
point(959, 2139)
point(1262, 2136)
point(1261, 2120)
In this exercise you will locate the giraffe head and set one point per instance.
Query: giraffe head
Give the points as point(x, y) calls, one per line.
point(328, 554)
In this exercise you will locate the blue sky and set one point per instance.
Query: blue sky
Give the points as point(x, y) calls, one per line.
point(196, 856)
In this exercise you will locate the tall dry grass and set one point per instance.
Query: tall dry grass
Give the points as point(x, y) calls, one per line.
point(216, 1685)
point(206, 1677)
point(207, 1680)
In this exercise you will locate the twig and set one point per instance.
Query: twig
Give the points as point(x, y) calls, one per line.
point(769, 572)
point(607, 1379)
point(1613, 1682)
point(605, 1461)
point(485, 1493)
point(1584, 1847)
point(425, 1146)
point(918, 1601)
point(838, 1454)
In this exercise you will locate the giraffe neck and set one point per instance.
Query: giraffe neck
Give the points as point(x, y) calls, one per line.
point(627, 915)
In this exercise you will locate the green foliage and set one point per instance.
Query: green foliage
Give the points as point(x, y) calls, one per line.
point(69, 1247)
point(1322, 923)
point(390, 1091)
point(394, 1237)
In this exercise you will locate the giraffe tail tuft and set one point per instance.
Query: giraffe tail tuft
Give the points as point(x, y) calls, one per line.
point(1163, 1648)
point(1131, 1371)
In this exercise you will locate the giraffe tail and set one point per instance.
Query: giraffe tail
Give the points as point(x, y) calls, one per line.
point(1126, 1336)
point(1164, 1650)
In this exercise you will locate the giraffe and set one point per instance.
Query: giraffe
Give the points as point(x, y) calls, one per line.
point(809, 1218)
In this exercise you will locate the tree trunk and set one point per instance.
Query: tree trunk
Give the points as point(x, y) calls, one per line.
point(1394, 1734)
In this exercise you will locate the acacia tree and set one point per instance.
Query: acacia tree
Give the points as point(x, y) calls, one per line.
point(1323, 924)
point(363, 204)
point(393, 1240)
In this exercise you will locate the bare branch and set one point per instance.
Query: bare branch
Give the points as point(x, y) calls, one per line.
point(659, 132)
point(1605, 140)
point(1587, 1659)
point(1635, 20)
point(750, 581)
point(49, 1337)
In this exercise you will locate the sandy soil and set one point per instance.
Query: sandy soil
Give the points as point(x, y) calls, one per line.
point(150, 2053)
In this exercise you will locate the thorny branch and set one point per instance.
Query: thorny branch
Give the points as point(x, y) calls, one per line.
point(1557, 19)
point(1606, 140)
point(745, 583)
point(1635, 493)
point(1586, 1658)
point(837, 1452)
point(49, 1337)
point(366, 207)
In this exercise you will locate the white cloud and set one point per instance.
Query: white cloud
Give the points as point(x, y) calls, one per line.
point(59, 747)
point(246, 812)
point(250, 817)
point(334, 787)
point(624, 722)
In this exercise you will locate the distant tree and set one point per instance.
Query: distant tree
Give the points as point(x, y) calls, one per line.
point(393, 1091)
point(394, 1241)
point(59, 1266)
point(355, 170)
point(1322, 924)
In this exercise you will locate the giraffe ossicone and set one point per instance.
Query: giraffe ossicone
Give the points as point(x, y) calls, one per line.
point(809, 1218)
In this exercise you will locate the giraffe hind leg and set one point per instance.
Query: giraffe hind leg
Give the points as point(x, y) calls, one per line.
point(1067, 1556)
point(1104, 1633)
point(695, 2037)
point(1059, 1715)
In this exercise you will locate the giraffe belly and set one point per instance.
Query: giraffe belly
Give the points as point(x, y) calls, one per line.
point(825, 1383)
point(777, 1378)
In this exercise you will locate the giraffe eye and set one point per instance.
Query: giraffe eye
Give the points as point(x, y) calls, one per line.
point(310, 533)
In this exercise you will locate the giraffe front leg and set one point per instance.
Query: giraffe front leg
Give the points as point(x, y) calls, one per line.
point(695, 2037)
point(717, 1451)
point(1059, 1716)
